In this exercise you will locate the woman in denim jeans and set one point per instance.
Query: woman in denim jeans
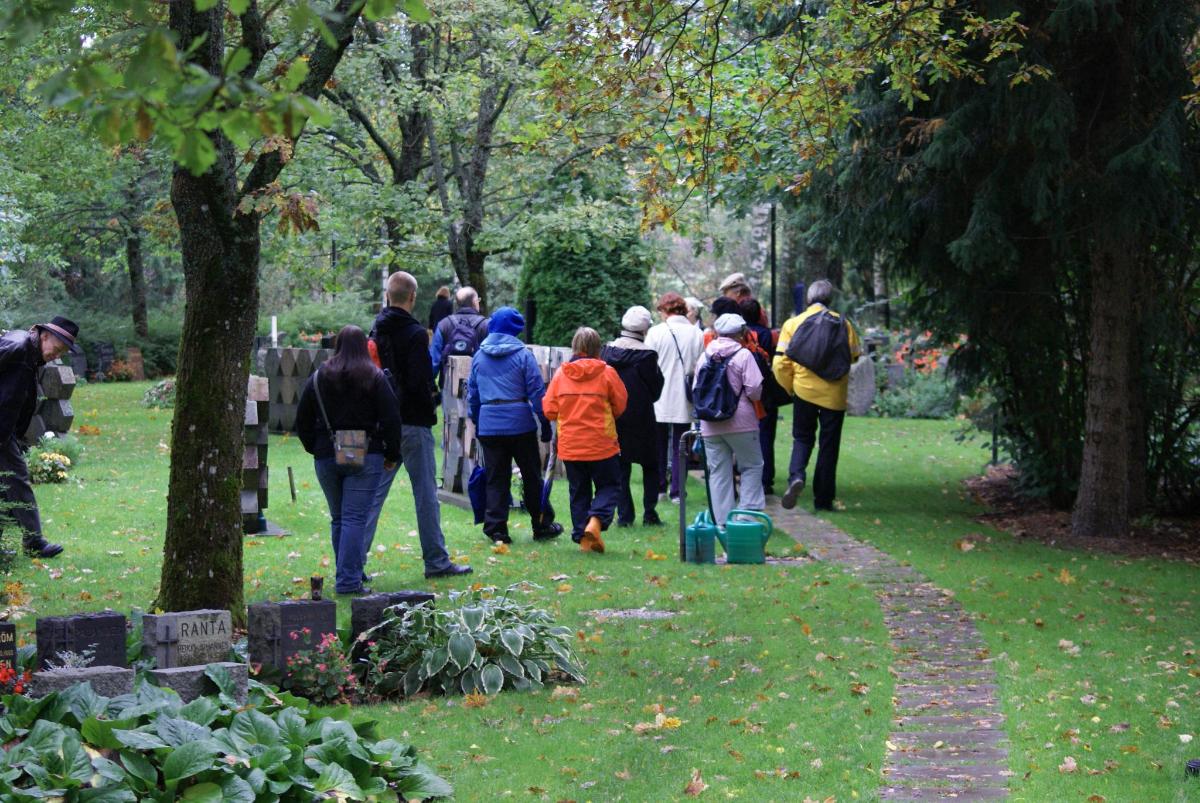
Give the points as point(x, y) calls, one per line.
point(355, 395)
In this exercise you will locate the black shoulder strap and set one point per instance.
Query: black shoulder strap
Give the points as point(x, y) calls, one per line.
point(321, 403)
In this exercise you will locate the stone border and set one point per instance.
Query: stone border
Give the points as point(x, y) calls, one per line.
point(948, 731)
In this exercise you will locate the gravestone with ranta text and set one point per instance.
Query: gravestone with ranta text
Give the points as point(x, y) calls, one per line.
point(187, 638)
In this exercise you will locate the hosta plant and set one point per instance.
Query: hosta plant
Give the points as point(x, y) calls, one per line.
point(149, 746)
point(483, 642)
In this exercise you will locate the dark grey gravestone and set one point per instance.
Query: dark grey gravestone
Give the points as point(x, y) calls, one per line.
point(187, 638)
point(57, 381)
point(8, 643)
point(366, 612)
point(895, 374)
point(102, 633)
point(271, 626)
point(57, 414)
point(190, 682)
point(107, 681)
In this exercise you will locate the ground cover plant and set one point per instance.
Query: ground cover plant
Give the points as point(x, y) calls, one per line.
point(771, 682)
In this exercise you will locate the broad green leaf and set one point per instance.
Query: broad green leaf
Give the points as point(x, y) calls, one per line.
point(510, 665)
point(297, 71)
point(139, 739)
point(237, 61)
point(106, 794)
point(254, 727)
point(99, 732)
point(77, 765)
point(205, 5)
point(512, 642)
point(473, 617)
point(207, 792)
point(195, 151)
point(462, 649)
point(378, 9)
point(417, 11)
point(535, 671)
point(435, 661)
point(202, 711)
point(492, 678)
point(140, 767)
point(187, 760)
point(238, 7)
point(176, 731)
point(336, 778)
point(236, 790)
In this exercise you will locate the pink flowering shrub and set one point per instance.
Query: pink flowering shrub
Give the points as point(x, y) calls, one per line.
point(323, 674)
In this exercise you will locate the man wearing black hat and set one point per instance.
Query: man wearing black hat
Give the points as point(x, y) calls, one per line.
point(21, 355)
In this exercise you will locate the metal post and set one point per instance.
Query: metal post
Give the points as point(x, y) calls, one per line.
point(772, 265)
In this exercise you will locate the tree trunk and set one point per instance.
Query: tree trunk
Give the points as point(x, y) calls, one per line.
point(137, 282)
point(1102, 505)
point(202, 553)
point(879, 286)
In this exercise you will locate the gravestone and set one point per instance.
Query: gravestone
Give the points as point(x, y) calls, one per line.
point(271, 626)
point(187, 638)
point(103, 633)
point(8, 644)
point(104, 355)
point(107, 681)
point(190, 682)
point(57, 381)
point(861, 393)
point(366, 612)
point(77, 359)
point(57, 414)
point(895, 374)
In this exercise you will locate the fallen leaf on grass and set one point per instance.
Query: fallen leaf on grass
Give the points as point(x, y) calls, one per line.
point(500, 549)
point(696, 785)
point(1065, 577)
point(475, 700)
point(565, 693)
point(859, 688)
point(964, 545)
point(565, 588)
point(623, 775)
point(1068, 765)
point(1185, 738)
point(652, 555)
point(1119, 727)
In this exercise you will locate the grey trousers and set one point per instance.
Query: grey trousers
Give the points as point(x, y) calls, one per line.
point(721, 451)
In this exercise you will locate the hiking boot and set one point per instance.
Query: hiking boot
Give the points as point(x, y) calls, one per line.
point(548, 532)
point(788, 501)
point(42, 549)
point(651, 519)
point(591, 541)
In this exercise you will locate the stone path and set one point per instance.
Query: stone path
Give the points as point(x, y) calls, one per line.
point(947, 730)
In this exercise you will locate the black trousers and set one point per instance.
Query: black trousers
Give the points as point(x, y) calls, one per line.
point(806, 417)
point(17, 503)
point(499, 452)
point(582, 475)
point(668, 455)
point(767, 426)
point(625, 511)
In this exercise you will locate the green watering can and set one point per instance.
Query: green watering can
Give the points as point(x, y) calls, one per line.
point(744, 540)
point(699, 540)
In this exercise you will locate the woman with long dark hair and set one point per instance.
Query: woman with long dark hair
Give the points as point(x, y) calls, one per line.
point(349, 393)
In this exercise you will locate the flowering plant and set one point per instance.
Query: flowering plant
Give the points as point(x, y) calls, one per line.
point(48, 466)
point(323, 674)
point(13, 681)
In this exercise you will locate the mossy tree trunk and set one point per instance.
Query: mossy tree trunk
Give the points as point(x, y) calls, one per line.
point(202, 553)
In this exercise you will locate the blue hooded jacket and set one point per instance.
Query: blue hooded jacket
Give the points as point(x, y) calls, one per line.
point(505, 388)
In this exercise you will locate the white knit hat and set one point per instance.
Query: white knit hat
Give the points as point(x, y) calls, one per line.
point(729, 324)
point(636, 319)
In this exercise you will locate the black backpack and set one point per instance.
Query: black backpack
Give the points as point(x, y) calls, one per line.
point(713, 396)
point(821, 343)
point(463, 337)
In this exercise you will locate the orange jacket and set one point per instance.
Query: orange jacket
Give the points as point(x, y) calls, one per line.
point(586, 396)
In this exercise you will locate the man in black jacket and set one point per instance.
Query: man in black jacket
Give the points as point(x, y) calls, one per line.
point(21, 355)
point(403, 346)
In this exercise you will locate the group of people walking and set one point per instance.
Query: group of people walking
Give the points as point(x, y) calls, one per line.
point(612, 406)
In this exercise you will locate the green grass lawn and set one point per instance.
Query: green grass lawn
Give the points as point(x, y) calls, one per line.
point(758, 665)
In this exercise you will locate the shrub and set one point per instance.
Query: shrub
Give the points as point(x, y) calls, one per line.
point(13, 680)
point(921, 395)
point(588, 265)
point(78, 745)
point(51, 459)
point(482, 643)
point(161, 396)
point(300, 322)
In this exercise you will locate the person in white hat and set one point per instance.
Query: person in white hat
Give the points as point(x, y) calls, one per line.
point(735, 438)
point(637, 428)
point(22, 354)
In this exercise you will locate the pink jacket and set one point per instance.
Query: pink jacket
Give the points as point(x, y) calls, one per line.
point(745, 379)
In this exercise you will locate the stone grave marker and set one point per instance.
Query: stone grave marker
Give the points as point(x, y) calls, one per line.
point(103, 633)
point(271, 625)
point(8, 644)
point(190, 682)
point(107, 681)
point(368, 611)
point(187, 638)
point(861, 393)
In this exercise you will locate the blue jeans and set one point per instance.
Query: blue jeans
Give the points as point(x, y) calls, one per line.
point(350, 493)
point(417, 454)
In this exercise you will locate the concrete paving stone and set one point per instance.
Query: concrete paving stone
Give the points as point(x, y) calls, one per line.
point(945, 689)
point(921, 677)
point(946, 721)
point(969, 755)
point(949, 737)
point(965, 774)
point(908, 793)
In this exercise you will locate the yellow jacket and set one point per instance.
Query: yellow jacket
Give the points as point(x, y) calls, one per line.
point(798, 380)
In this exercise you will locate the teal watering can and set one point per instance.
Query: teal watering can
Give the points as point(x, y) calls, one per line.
point(700, 538)
point(743, 540)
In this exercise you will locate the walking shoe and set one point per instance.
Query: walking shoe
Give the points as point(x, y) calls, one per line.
point(499, 538)
point(624, 523)
point(453, 570)
point(42, 549)
point(651, 519)
point(361, 591)
point(592, 542)
point(548, 531)
point(788, 501)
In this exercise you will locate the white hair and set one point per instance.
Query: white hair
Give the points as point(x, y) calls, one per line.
point(820, 292)
point(466, 296)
